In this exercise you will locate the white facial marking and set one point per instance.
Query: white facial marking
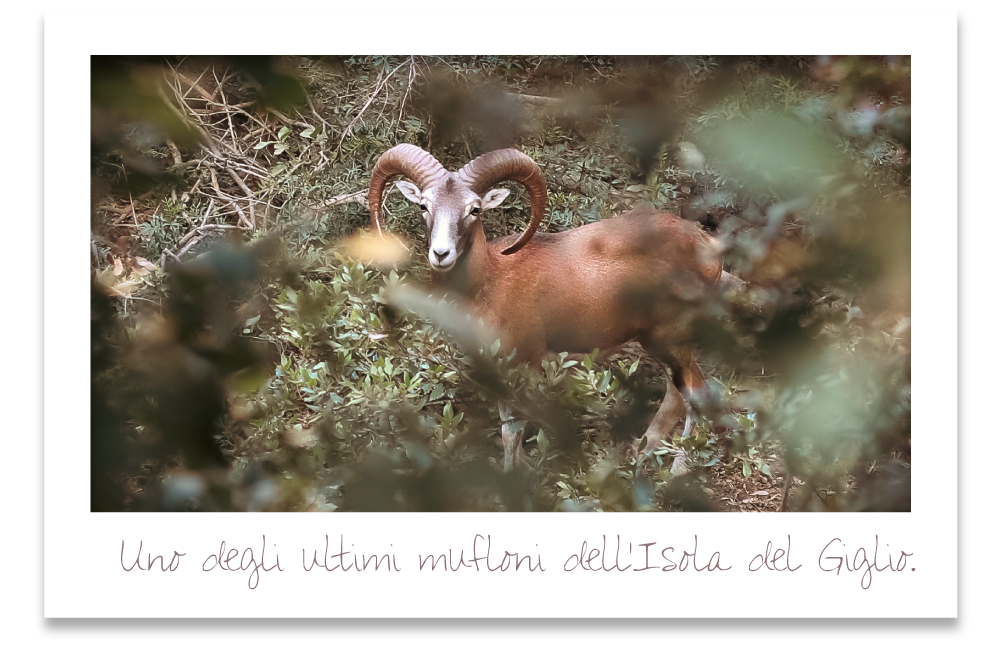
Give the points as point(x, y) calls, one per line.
point(442, 247)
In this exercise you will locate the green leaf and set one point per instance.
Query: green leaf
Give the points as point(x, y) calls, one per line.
point(308, 132)
point(606, 378)
point(262, 144)
point(543, 442)
point(284, 132)
point(447, 411)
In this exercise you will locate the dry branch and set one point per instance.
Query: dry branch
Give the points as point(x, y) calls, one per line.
point(232, 201)
point(378, 87)
point(360, 197)
point(194, 86)
point(288, 121)
point(243, 186)
point(538, 100)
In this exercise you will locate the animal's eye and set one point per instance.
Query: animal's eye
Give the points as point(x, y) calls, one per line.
point(475, 211)
point(423, 207)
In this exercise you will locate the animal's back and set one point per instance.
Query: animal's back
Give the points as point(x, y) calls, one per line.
point(607, 282)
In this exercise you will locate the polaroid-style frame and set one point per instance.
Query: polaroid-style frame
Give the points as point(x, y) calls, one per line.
point(82, 588)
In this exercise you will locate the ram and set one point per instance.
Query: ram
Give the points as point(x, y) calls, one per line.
point(642, 276)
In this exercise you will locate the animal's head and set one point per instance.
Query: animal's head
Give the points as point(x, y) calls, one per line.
point(451, 202)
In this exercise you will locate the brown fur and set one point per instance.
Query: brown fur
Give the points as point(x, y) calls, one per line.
point(634, 277)
point(638, 277)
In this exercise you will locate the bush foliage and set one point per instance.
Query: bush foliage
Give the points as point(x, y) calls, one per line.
point(249, 354)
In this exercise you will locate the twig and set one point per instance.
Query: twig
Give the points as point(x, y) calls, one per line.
point(288, 121)
point(179, 167)
point(175, 152)
point(785, 493)
point(188, 241)
point(372, 97)
point(360, 197)
point(194, 86)
point(226, 108)
point(323, 161)
point(142, 299)
point(205, 217)
point(163, 259)
point(259, 131)
point(819, 496)
point(186, 196)
point(249, 193)
point(227, 75)
point(204, 137)
point(186, 237)
point(249, 170)
point(133, 207)
point(537, 100)
point(544, 104)
point(595, 68)
point(201, 235)
point(456, 69)
point(229, 200)
point(316, 115)
point(410, 85)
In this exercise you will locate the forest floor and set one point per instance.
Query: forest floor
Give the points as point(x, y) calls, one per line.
point(303, 176)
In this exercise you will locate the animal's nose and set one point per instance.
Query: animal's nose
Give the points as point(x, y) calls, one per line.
point(441, 255)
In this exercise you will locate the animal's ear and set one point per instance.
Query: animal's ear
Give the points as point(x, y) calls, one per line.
point(494, 198)
point(410, 191)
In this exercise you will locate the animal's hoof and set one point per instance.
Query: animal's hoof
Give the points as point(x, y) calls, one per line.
point(678, 466)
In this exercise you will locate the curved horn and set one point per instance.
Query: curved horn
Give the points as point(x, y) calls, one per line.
point(508, 163)
point(411, 161)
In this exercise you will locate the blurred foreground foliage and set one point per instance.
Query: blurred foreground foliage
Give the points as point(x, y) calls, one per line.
point(251, 350)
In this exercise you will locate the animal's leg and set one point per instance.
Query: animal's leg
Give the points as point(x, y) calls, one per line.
point(512, 432)
point(689, 379)
point(687, 431)
point(664, 422)
point(685, 391)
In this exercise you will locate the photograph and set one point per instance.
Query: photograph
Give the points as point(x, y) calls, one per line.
point(469, 334)
point(412, 283)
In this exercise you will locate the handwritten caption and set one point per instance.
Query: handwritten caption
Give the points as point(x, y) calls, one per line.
point(484, 555)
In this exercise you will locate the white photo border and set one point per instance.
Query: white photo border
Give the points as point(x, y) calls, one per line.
point(83, 571)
